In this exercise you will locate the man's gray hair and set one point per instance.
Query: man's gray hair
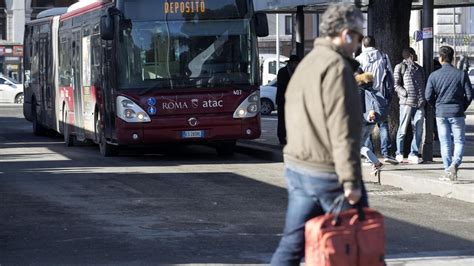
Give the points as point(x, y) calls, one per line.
point(339, 17)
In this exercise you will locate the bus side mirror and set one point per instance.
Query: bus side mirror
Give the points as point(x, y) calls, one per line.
point(261, 24)
point(107, 27)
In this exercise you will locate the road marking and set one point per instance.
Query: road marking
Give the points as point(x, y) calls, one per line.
point(432, 260)
point(390, 193)
point(269, 118)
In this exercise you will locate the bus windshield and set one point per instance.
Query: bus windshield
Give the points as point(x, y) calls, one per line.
point(189, 53)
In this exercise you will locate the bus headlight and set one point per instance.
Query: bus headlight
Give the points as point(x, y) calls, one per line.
point(250, 107)
point(130, 112)
point(253, 108)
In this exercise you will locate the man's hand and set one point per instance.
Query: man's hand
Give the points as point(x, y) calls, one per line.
point(371, 117)
point(352, 195)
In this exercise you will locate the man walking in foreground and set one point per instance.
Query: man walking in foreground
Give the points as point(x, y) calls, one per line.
point(323, 117)
point(374, 61)
point(410, 87)
point(450, 91)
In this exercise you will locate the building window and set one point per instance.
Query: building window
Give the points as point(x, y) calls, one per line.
point(288, 25)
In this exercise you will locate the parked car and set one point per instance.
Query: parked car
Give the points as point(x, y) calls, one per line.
point(268, 97)
point(10, 91)
point(268, 66)
point(471, 75)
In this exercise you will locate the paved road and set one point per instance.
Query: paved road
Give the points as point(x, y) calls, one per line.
point(63, 205)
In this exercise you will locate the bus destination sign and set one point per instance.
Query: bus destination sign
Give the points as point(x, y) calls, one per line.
point(185, 7)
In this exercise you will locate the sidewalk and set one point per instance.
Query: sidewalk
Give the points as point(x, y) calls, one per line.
point(421, 178)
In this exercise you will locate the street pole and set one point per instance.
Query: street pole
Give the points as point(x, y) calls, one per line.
point(300, 32)
point(278, 42)
point(428, 66)
point(454, 34)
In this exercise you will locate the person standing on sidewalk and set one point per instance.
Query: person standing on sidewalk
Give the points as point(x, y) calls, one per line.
point(323, 116)
point(369, 102)
point(449, 90)
point(410, 87)
point(283, 78)
point(374, 61)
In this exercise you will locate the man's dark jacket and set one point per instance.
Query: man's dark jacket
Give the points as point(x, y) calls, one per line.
point(450, 91)
point(283, 78)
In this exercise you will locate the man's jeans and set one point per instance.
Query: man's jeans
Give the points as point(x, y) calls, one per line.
point(416, 117)
point(309, 195)
point(449, 129)
point(385, 142)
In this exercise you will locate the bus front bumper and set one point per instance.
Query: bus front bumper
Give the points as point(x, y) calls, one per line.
point(178, 129)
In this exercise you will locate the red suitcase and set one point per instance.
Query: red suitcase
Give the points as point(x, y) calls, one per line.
point(354, 238)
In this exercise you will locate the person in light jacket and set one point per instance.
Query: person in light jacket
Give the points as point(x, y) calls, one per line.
point(376, 62)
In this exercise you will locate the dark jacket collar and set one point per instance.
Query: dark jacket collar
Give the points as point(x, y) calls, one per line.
point(447, 65)
point(327, 43)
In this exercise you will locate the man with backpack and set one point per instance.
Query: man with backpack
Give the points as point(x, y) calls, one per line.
point(374, 61)
point(410, 87)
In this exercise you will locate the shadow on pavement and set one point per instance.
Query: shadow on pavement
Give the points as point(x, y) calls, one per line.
point(175, 154)
point(163, 218)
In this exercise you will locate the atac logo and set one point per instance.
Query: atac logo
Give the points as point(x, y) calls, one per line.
point(214, 101)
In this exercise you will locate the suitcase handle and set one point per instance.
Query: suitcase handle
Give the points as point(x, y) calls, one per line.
point(336, 209)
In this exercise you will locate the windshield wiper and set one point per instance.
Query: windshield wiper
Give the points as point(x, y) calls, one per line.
point(147, 90)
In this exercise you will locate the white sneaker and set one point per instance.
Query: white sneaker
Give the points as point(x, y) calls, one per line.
point(399, 158)
point(414, 159)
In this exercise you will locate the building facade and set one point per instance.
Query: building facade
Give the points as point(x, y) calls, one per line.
point(452, 26)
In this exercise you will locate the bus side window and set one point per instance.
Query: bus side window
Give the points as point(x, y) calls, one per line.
point(64, 66)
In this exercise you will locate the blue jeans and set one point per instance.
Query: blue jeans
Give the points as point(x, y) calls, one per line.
point(449, 129)
point(415, 116)
point(309, 195)
point(385, 143)
point(365, 150)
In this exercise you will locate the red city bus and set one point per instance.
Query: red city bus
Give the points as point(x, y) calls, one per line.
point(139, 72)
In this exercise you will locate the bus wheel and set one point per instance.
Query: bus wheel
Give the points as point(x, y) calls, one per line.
point(105, 149)
point(68, 138)
point(38, 129)
point(226, 148)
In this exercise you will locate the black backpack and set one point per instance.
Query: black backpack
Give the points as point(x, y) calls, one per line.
point(388, 82)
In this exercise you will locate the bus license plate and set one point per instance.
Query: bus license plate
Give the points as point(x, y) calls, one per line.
point(192, 134)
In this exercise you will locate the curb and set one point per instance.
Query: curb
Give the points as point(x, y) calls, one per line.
point(414, 182)
point(420, 183)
